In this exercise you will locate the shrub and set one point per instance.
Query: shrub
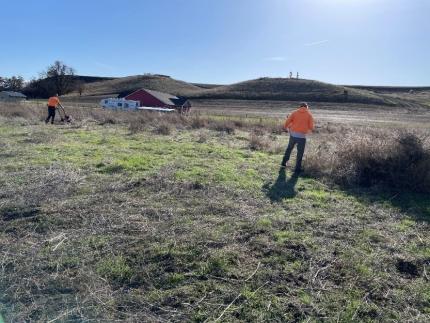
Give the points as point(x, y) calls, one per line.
point(19, 110)
point(258, 131)
point(203, 137)
point(238, 123)
point(140, 121)
point(268, 126)
point(258, 142)
point(108, 120)
point(398, 160)
point(163, 128)
point(265, 143)
point(137, 125)
point(223, 126)
point(198, 122)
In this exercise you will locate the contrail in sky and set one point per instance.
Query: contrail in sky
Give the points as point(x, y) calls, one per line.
point(317, 43)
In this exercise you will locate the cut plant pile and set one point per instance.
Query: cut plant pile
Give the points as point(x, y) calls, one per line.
point(110, 221)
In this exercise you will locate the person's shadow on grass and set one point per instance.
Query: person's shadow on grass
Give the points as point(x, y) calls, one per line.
point(282, 188)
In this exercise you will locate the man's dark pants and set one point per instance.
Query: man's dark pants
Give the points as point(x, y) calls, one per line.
point(301, 143)
point(51, 114)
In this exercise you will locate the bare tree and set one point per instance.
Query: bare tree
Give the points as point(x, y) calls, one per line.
point(14, 83)
point(38, 88)
point(61, 77)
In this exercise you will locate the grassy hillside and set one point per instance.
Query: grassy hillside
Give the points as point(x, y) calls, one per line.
point(260, 89)
point(206, 86)
point(290, 89)
point(91, 79)
point(129, 84)
point(411, 97)
point(43, 88)
point(128, 218)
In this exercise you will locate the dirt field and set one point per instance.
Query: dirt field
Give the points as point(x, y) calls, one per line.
point(357, 114)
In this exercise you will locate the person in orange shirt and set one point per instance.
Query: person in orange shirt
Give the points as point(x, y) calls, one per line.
point(299, 124)
point(53, 103)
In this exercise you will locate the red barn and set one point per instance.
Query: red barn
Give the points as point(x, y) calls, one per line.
point(150, 98)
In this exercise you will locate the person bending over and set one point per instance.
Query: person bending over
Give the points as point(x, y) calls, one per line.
point(53, 103)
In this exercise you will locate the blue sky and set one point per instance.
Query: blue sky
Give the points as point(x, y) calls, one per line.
point(372, 42)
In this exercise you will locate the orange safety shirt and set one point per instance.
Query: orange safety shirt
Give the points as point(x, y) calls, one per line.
point(53, 101)
point(300, 121)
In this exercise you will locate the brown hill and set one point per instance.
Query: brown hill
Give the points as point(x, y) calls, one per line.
point(291, 90)
point(259, 89)
point(125, 85)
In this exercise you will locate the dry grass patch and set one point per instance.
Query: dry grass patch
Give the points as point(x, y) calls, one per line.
point(399, 160)
point(138, 121)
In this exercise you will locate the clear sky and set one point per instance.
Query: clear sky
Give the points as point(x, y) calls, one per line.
point(371, 42)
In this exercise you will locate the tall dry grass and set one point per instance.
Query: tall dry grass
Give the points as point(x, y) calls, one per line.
point(396, 159)
point(11, 110)
point(142, 120)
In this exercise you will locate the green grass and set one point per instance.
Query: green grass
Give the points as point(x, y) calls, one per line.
point(114, 269)
point(108, 225)
point(113, 151)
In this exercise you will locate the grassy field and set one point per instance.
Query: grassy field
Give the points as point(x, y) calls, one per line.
point(113, 219)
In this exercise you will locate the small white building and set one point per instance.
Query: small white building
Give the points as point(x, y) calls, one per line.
point(119, 104)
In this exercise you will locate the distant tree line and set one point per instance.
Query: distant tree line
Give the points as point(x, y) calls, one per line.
point(14, 83)
point(58, 78)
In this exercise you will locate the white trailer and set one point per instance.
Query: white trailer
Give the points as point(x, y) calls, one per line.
point(119, 104)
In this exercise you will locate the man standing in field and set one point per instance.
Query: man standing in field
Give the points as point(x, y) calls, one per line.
point(53, 103)
point(299, 124)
